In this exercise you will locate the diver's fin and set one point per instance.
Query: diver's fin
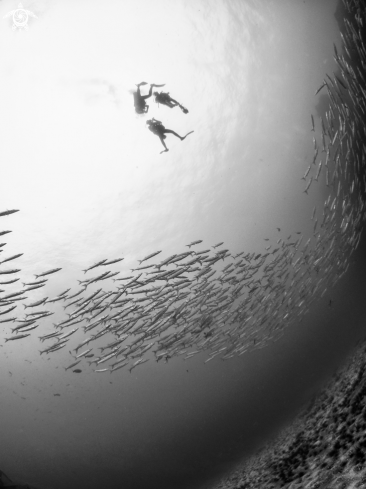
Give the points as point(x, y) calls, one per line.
point(155, 85)
point(187, 135)
point(142, 83)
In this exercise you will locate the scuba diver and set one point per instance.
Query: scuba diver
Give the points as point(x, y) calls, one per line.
point(165, 99)
point(139, 100)
point(156, 127)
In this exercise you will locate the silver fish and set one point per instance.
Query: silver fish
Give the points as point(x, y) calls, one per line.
point(194, 243)
point(149, 256)
point(112, 261)
point(6, 213)
point(11, 258)
point(306, 173)
point(35, 304)
point(3, 272)
point(73, 364)
point(54, 270)
point(308, 185)
point(140, 361)
point(17, 337)
point(95, 265)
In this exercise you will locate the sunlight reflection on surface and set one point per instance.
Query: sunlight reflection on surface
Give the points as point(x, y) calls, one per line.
point(87, 164)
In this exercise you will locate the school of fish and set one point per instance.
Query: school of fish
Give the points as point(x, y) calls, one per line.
point(204, 298)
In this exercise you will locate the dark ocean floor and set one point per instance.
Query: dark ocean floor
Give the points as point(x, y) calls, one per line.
point(324, 448)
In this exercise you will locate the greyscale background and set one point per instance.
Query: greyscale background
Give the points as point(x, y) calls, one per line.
point(90, 184)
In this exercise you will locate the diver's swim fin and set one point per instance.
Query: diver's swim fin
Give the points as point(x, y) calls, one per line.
point(142, 83)
point(187, 135)
point(155, 85)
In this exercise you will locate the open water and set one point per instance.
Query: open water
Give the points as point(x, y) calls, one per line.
point(227, 346)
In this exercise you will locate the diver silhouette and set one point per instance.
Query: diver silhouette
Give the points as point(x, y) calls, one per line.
point(139, 100)
point(165, 99)
point(157, 128)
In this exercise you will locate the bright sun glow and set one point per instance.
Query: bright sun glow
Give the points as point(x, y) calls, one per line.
point(82, 166)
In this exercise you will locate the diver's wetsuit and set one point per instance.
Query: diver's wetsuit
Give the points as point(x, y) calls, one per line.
point(139, 100)
point(156, 127)
point(165, 99)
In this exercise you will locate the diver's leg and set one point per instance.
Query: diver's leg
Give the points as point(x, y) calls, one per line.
point(149, 94)
point(163, 143)
point(173, 102)
point(150, 91)
point(188, 133)
point(168, 104)
point(173, 132)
